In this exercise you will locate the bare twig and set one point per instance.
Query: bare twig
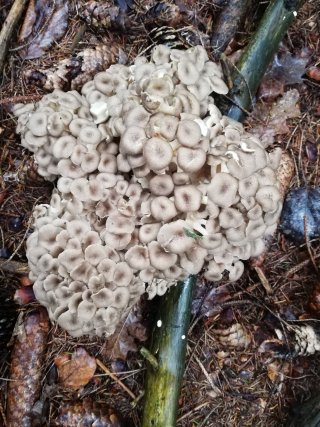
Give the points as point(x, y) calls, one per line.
point(116, 379)
point(264, 281)
point(8, 28)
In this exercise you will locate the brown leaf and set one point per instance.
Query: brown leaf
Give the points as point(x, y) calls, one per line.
point(126, 336)
point(286, 69)
point(75, 370)
point(44, 24)
point(274, 116)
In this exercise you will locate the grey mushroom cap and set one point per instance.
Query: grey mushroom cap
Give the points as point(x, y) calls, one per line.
point(222, 189)
point(158, 153)
point(159, 258)
point(187, 198)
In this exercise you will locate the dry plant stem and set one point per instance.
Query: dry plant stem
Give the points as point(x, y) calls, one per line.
point(169, 340)
point(264, 281)
point(258, 54)
point(116, 379)
point(14, 267)
point(27, 359)
point(226, 26)
point(8, 28)
point(163, 385)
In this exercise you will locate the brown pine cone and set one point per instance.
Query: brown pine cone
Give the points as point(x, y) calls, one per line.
point(86, 413)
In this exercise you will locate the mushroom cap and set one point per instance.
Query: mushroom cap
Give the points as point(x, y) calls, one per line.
point(121, 297)
point(70, 258)
point(89, 135)
point(55, 124)
point(248, 186)
point(123, 274)
point(159, 258)
point(222, 189)
point(78, 228)
point(173, 238)
point(132, 140)
point(90, 161)
point(235, 271)
point(68, 169)
point(230, 218)
point(137, 257)
point(137, 116)
point(180, 178)
point(68, 321)
point(148, 232)
point(268, 198)
point(119, 224)
point(116, 241)
point(38, 123)
point(106, 267)
point(188, 133)
point(187, 198)
point(94, 254)
point(103, 298)
point(86, 310)
point(187, 72)
point(108, 163)
point(79, 189)
point(191, 160)
point(158, 153)
point(164, 125)
point(161, 185)
point(163, 209)
point(214, 271)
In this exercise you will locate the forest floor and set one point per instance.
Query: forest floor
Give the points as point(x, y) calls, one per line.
point(227, 382)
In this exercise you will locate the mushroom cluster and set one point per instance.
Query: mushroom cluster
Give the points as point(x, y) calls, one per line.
point(154, 184)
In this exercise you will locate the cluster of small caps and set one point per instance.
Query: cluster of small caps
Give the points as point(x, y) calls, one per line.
point(154, 184)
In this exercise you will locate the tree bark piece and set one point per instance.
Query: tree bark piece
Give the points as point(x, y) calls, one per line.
point(169, 341)
point(8, 28)
point(27, 360)
point(226, 26)
point(257, 56)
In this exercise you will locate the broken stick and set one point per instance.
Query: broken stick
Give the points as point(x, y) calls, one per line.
point(8, 28)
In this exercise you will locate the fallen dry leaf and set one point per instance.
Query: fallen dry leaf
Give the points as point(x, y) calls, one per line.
point(44, 23)
point(275, 115)
point(127, 335)
point(75, 370)
point(286, 69)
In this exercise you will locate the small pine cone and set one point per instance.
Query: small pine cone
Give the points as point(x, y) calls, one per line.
point(86, 413)
point(73, 73)
point(302, 340)
point(100, 15)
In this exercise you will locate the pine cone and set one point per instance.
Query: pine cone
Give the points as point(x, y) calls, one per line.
point(86, 413)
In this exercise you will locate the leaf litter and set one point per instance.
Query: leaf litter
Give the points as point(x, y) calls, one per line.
point(244, 393)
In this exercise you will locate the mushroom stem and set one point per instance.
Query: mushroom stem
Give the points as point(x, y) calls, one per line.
point(257, 55)
point(169, 343)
